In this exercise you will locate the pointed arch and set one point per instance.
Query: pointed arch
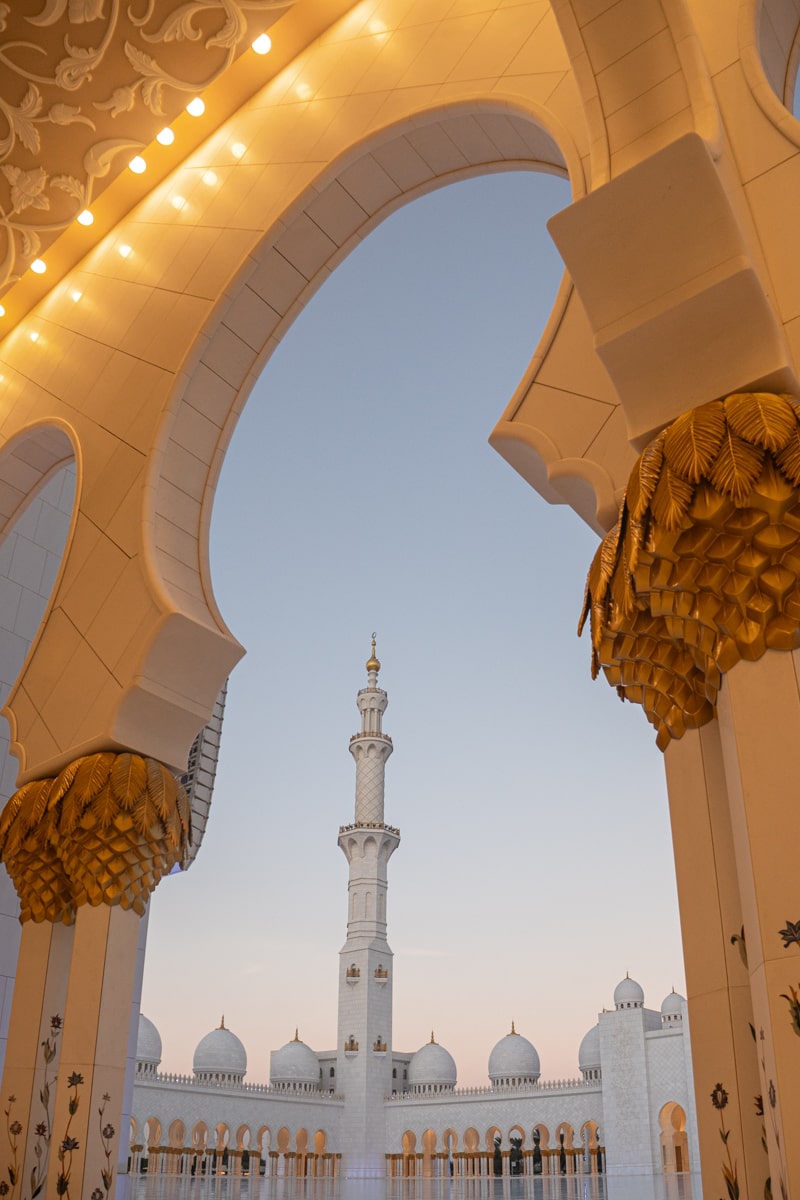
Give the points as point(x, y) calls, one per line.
point(674, 1138)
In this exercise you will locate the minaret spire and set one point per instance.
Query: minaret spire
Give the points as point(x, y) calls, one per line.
point(370, 747)
point(364, 1068)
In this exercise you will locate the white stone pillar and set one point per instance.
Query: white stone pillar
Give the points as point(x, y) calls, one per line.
point(759, 717)
point(91, 1077)
point(717, 979)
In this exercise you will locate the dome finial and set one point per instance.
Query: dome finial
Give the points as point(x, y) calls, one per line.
point(513, 1030)
point(433, 1039)
point(373, 663)
point(222, 1021)
point(296, 1034)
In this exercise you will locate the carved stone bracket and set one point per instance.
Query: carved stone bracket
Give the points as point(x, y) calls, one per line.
point(702, 568)
point(103, 831)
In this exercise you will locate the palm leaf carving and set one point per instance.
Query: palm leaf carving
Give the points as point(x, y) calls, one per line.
point(37, 805)
point(587, 604)
point(92, 775)
point(644, 478)
point(692, 441)
point(787, 460)
point(737, 467)
point(63, 781)
point(634, 540)
point(12, 808)
point(145, 817)
point(106, 806)
point(607, 556)
point(671, 499)
point(73, 807)
point(185, 812)
point(664, 650)
point(760, 418)
point(128, 779)
point(157, 785)
point(174, 829)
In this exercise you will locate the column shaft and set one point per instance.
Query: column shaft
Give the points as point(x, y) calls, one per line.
point(717, 979)
point(759, 716)
point(91, 1076)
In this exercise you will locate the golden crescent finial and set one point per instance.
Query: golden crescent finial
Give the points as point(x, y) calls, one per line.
point(373, 663)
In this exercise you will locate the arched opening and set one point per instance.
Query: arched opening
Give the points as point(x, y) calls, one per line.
point(410, 1163)
point(322, 555)
point(177, 1133)
point(674, 1138)
point(429, 1143)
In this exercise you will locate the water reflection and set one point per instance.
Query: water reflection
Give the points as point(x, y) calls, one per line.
point(576, 1187)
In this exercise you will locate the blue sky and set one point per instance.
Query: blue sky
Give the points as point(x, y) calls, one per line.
point(360, 493)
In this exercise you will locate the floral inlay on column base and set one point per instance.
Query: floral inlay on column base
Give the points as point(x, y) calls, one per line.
point(103, 831)
point(702, 568)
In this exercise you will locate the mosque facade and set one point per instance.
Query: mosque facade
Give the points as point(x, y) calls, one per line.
point(367, 1109)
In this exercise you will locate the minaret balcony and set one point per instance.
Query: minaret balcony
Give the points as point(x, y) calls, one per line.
point(379, 1048)
point(381, 976)
point(369, 825)
point(352, 975)
point(350, 1047)
point(364, 736)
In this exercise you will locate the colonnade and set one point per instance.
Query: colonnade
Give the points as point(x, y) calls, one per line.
point(480, 1163)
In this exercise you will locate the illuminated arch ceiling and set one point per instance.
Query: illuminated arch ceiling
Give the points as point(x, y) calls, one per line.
point(86, 85)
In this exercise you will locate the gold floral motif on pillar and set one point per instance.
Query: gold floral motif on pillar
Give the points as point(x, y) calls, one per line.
point(103, 831)
point(702, 568)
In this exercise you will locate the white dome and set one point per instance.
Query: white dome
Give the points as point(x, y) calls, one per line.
point(589, 1052)
point(672, 1006)
point(514, 1060)
point(294, 1065)
point(148, 1042)
point(432, 1068)
point(628, 994)
point(220, 1053)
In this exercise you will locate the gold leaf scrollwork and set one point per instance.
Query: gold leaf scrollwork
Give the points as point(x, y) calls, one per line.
point(103, 831)
point(84, 64)
point(703, 567)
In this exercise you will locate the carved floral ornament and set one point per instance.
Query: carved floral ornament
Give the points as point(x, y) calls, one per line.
point(103, 831)
point(702, 568)
point(85, 85)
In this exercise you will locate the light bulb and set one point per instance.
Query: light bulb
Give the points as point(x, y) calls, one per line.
point(138, 165)
point(196, 107)
point(262, 44)
point(166, 137)
point(85, 217)
point(39, 266)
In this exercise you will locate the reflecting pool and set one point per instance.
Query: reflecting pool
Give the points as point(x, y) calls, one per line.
point(576, 1187)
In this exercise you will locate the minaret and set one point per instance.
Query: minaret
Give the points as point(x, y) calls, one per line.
point(364, 1059)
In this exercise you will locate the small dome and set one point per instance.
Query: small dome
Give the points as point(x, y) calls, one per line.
point(589, 1052)
point(672, 1007)
point(148, 1042)
point(628, 994)
point(513, 1061)
point(432, 1069)
point(295, 1065)
point(220, 1056)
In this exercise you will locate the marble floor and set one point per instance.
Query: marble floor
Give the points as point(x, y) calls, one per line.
point(638, 1187)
